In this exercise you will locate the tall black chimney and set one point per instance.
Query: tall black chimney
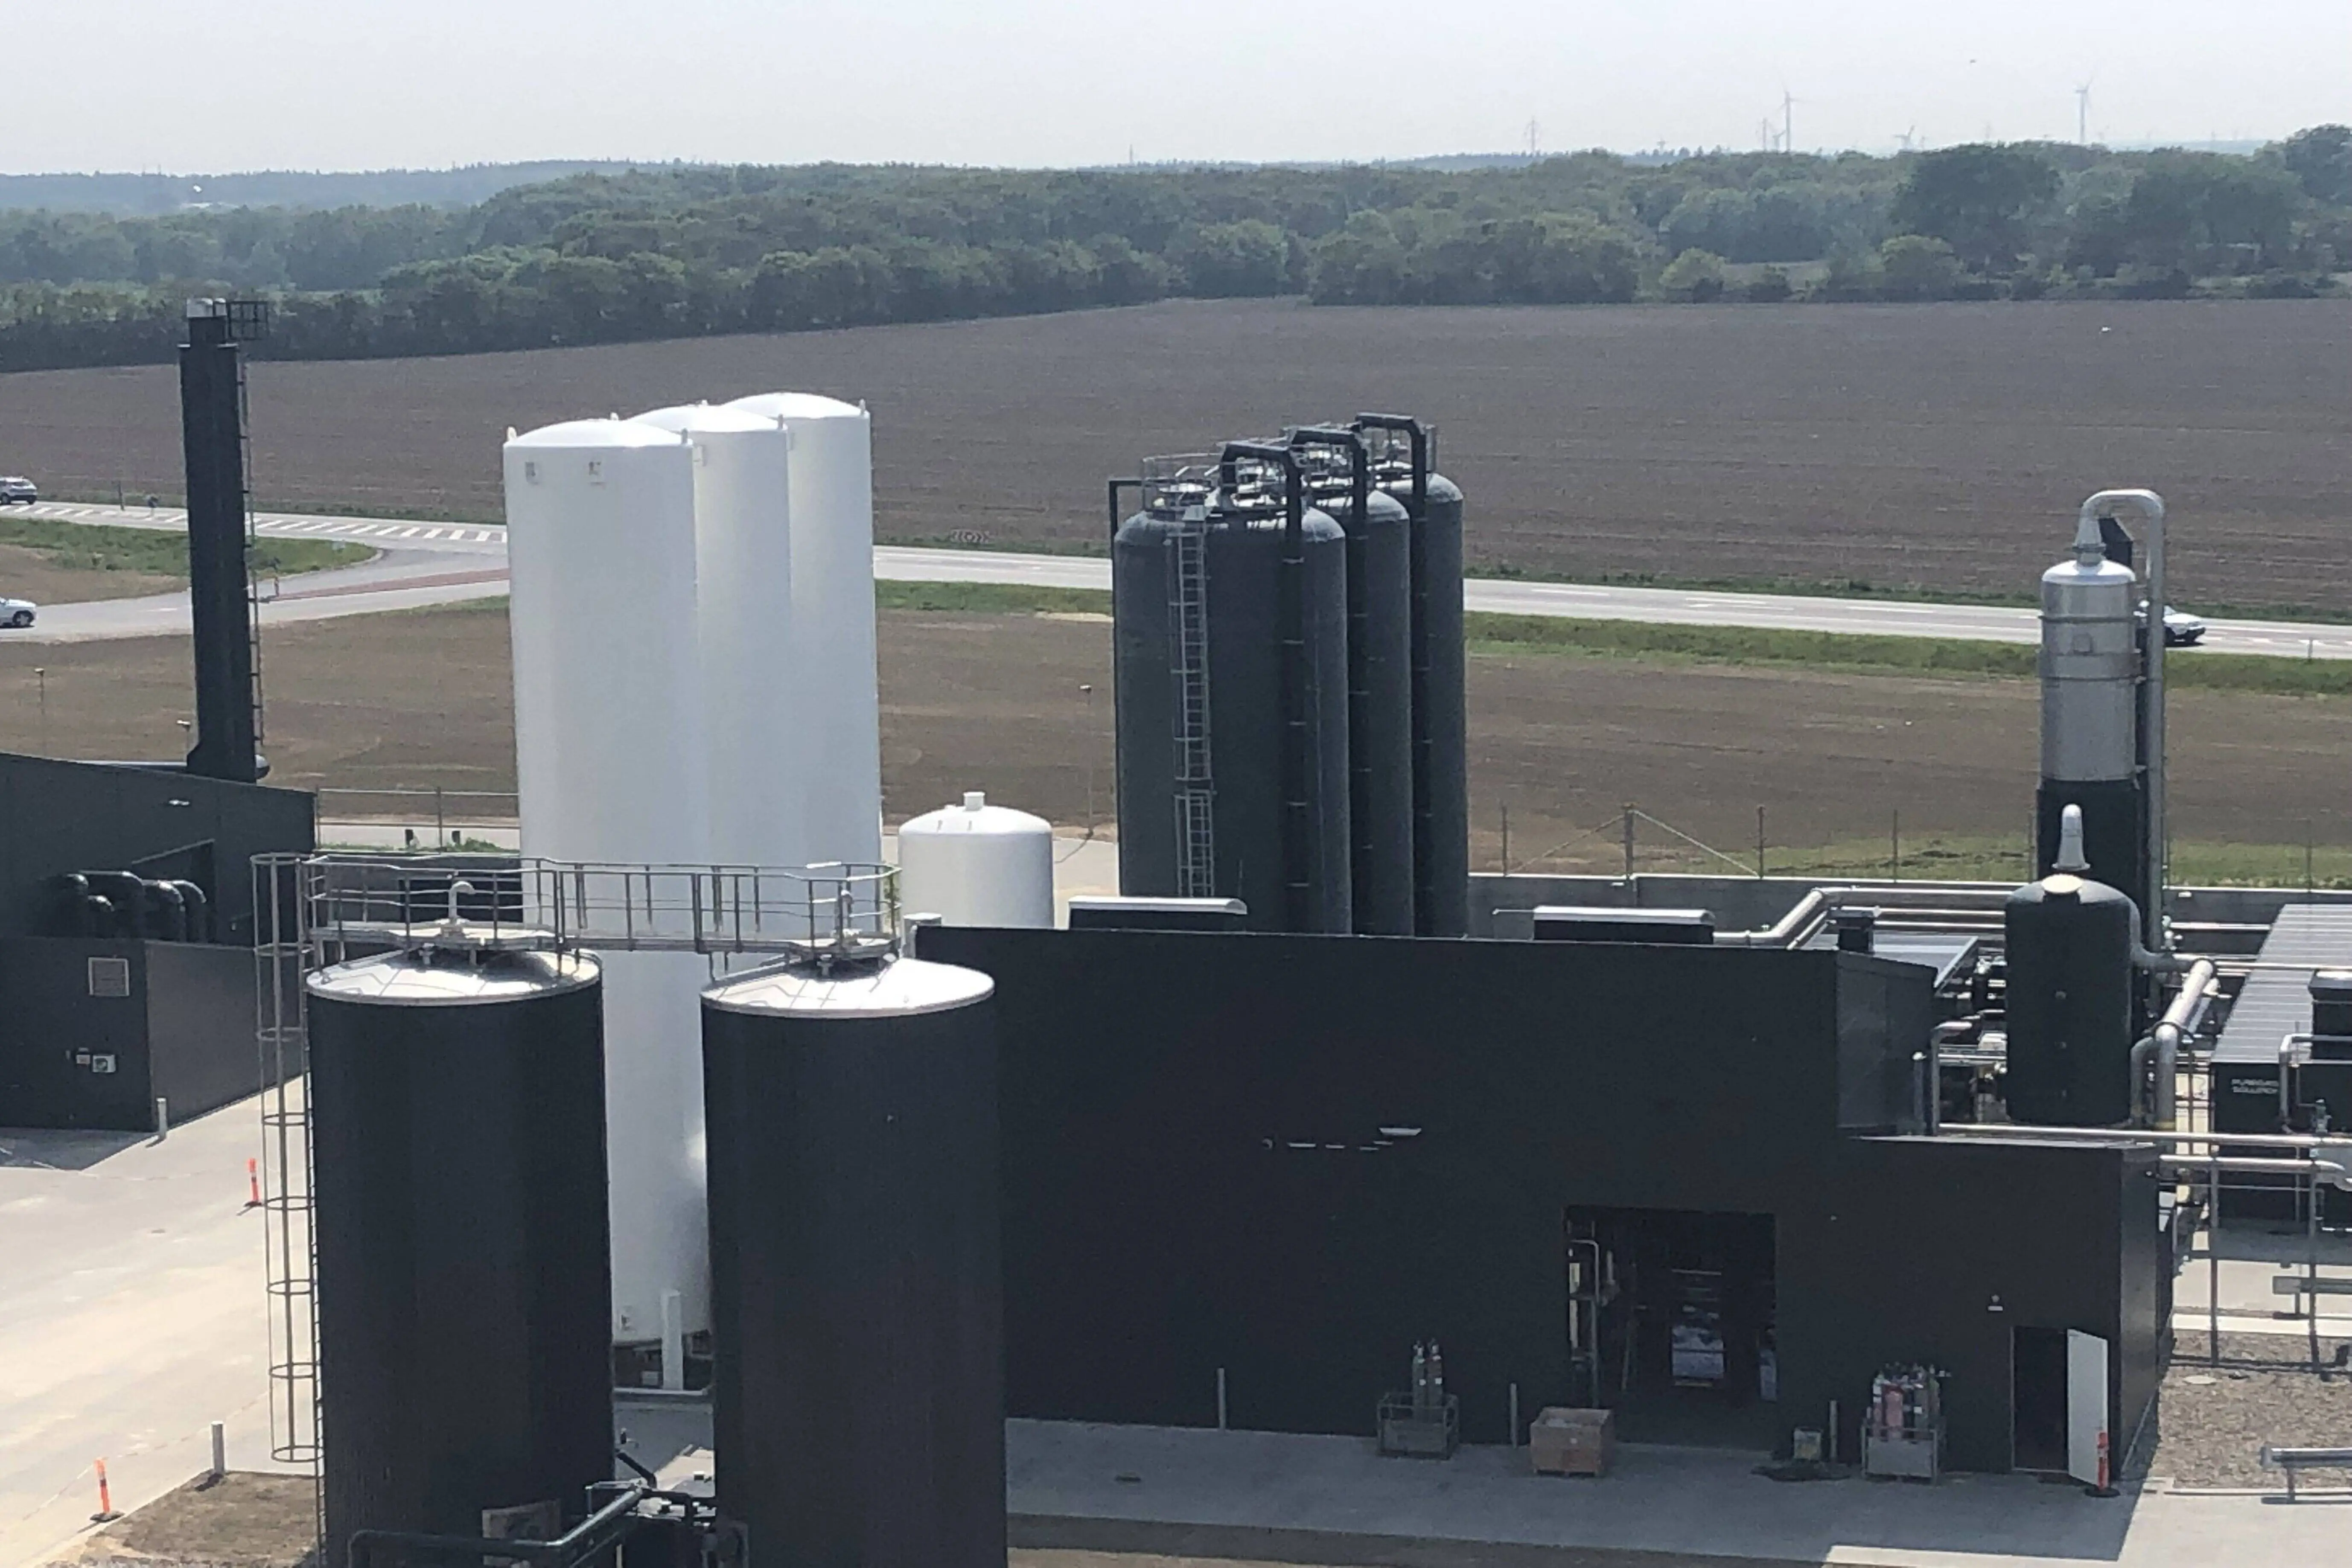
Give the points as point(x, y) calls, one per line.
point(211, 427)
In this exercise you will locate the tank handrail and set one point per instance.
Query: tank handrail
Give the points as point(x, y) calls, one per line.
point(1415, 433)
point(567, 1547)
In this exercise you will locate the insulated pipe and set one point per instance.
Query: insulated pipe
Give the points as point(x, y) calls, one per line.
point(2163, 1044)
point(2150, 506)
point(2329, 1170)
point(2337, 1142)
point(1802, 921)
point(1291, 630)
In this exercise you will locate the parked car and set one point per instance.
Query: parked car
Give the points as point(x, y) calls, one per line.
point(15, 488)
point(17, 612)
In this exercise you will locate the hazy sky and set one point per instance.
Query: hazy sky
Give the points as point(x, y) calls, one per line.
point(347, 84)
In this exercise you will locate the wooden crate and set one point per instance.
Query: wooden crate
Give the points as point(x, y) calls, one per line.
point(1565, 1441)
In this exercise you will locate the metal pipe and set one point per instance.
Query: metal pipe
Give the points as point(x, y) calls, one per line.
point(2286, 1081)
point(2163, 1044)
point(2334, 1172)
point(2150, 506)
point(363, 1543)
point(1111, 489)
point(1418, 438)
point(1801, 922)
point(2336, 1142)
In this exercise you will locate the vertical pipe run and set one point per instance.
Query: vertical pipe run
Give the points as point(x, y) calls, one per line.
point(1221, 1399)
point(2150, 506)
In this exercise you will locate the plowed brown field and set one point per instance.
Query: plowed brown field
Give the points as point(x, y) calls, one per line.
point(1937, 445)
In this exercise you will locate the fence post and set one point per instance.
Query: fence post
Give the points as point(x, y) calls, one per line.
point(1895, 847)
point(1629, 842)
point(1506, 839)
point(1759, 843)
point(440, 822)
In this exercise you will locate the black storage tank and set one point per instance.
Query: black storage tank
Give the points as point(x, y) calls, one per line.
point(1379, 675)
point(1403, 466)
point(1198, 588)
point(2069, 957)
point(856, 1291)
point(463, 1262)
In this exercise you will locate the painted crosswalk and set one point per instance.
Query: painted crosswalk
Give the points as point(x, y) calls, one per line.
point(286, 524)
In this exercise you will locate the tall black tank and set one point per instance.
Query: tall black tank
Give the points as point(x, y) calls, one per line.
point(2070, 1003)
point(463, 1262)
point(1441, 776)
point(1379, 677)
point(856, 1290)
point(1199, 583)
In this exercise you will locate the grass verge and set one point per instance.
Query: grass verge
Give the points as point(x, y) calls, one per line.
point(96, 547)
point(1935, 656)
point(1878, 655)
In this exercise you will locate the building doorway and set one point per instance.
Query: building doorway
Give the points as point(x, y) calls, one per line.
point(1671, 1323)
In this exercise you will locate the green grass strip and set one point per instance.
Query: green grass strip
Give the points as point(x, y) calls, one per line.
point(2183, 669)
point(98, 547)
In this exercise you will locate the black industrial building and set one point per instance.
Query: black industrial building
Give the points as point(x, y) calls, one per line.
point(1287, 1159)
point(127, 938)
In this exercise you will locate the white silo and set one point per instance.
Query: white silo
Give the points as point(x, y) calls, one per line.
point(978, 865)
point(756, 755)
point(833, 619)
point(609, 762)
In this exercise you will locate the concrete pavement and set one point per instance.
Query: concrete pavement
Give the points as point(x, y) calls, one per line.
point(410, 546)
point(131, 1288)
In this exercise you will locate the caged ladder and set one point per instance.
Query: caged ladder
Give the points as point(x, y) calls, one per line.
point(1187, 612)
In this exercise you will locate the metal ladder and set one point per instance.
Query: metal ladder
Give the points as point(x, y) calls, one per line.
point(252, 583)
point(1188, 612)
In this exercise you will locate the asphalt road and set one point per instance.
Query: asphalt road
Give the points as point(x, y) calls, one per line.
point(435, 564)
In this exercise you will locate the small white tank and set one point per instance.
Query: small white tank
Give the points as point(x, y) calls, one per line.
point(978, 865)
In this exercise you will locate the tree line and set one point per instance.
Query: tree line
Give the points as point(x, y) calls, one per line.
point(689, 251)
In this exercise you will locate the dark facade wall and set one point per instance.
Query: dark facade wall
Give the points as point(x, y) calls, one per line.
point(59, 817)
point(201, 1048)
point(51, 1027)
point(1291, 1157)
point(185, 1032)
point(1906, 1257)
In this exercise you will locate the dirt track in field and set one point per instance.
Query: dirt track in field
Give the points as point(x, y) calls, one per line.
point(995, 702)
point(1942, 445)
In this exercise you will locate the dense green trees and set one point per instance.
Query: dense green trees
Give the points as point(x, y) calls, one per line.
point(688, 249)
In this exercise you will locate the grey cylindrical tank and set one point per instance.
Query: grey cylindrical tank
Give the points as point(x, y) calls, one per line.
point(1441, 781)
point(1241, 556)
point(463, 1266)
point(2090, 714)
point(2090, 668)
point(2069, 947)
point(857, 1294)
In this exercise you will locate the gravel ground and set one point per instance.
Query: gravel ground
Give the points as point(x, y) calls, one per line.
point(2213, 1422)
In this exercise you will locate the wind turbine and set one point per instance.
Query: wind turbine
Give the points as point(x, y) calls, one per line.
point(1906, 141)
point(2082, 111)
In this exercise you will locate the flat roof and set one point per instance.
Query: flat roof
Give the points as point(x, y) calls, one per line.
point(2277, 1002)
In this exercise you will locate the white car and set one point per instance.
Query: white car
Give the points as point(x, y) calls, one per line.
point(17, 612)
point(15, 488)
